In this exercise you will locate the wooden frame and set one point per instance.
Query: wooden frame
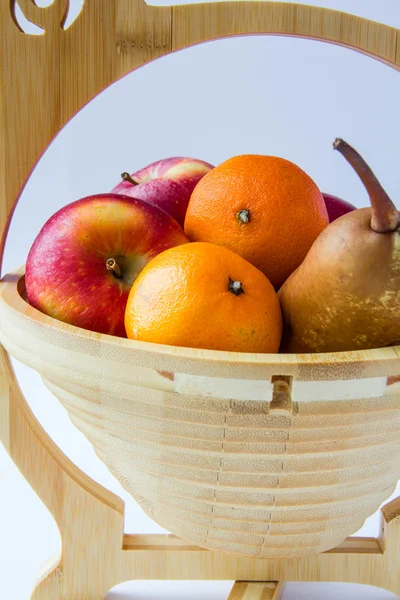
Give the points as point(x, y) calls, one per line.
point(107, 40)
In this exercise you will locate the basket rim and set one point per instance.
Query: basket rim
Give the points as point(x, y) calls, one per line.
point(12, 287)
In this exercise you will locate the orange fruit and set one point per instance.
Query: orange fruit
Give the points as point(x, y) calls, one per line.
point(203, 296)
point(265, 208)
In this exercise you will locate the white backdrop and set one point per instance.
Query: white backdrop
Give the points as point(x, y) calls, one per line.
point(287, 97)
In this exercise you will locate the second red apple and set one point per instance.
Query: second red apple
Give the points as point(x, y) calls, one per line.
point(336, 207)
point(167, 184)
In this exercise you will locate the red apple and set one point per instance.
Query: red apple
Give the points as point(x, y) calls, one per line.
point(336, 207)
point(86, 257)
point(166, 183)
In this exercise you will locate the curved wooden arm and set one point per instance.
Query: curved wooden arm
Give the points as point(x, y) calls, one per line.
point(202, 22)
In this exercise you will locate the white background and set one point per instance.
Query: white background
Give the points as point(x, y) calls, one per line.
point(266, 95)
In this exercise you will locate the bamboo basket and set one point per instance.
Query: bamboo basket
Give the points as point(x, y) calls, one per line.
point(270, 456)
point(276, 457)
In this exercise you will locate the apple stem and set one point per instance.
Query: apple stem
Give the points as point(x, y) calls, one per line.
point(385, 216)
point(235, 287)
point(112, 265)
point(126, 177)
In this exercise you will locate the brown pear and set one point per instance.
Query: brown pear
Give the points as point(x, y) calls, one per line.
point(346, 294)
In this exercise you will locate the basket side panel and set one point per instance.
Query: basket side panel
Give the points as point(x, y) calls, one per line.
point(282, 497)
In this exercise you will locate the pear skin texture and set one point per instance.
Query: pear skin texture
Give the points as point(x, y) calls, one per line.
point(346, 294)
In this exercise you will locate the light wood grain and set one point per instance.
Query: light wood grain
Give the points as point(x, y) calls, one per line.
point(202, 22)
point(166, 542)
point(244, 590)
point(233, 468)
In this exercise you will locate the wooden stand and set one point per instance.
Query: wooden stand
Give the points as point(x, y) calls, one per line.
point(109, 39)
point(91, 520)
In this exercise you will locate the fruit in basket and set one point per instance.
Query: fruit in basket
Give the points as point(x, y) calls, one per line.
point(203, 296)
point(336, 207)
point(346, 293)
point(264, 208)
point(166, 183)
point(84, 260)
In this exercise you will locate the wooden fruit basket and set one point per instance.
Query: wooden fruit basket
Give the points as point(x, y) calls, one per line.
point(264, 462)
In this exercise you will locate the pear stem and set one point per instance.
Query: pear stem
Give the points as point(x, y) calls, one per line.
point(126, 177)
point(112, 265)
point(385, 216)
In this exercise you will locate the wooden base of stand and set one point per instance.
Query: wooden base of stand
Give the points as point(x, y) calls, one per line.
point(245, 590)
point(241, 590)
